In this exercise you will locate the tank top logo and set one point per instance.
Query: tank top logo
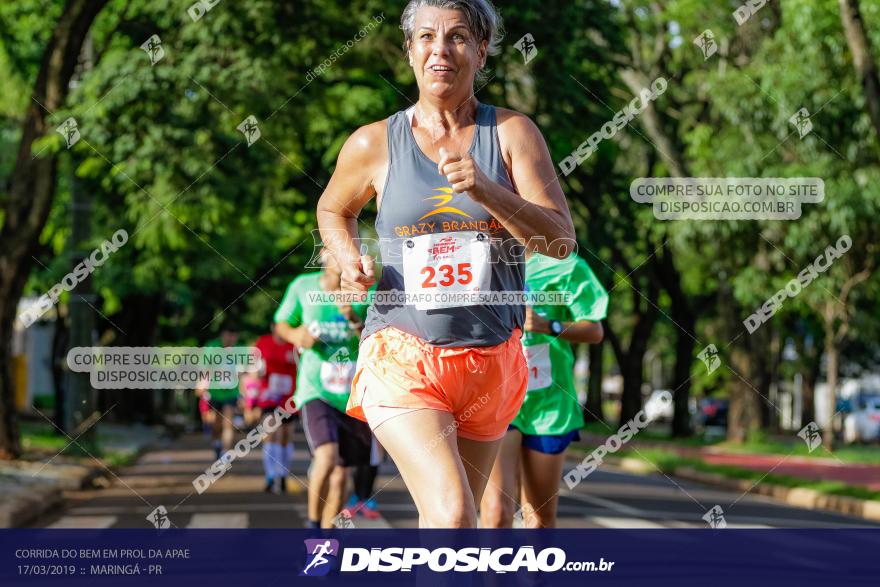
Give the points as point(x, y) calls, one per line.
point(440, 207)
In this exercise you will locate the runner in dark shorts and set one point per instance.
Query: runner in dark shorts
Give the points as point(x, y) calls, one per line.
point(327, 335)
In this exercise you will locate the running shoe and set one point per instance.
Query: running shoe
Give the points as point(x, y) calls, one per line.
point(270, 484)
point(283, 484)
point(369, 510)
point(352, 507)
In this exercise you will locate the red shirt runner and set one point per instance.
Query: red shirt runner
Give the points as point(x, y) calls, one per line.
point(279, 380)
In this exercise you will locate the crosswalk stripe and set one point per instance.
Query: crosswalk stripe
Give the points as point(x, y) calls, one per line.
point(230, 520)
point(371, 524)
point(748, 526)
point(623, 523)
point(84, 522)
point(602, 502)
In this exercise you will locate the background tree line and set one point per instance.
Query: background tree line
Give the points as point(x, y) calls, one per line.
point(217, 228)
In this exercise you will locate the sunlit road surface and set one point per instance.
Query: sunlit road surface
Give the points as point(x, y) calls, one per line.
point(609, 498)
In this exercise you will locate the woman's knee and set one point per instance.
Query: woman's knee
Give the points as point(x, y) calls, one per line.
point(451, 513)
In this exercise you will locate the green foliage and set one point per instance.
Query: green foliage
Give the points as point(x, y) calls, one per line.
point(218, 228)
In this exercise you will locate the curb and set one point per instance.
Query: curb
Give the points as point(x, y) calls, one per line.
point(794, 496)
point(32, 488)
point(27, 503)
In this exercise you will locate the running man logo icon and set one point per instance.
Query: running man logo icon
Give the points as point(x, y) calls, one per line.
point(250, 130)
point(527, 47)
point(810, 434)
point(153, 47)
point(320, 553)
point(801, 121)
point(706, 42)
point(709, 356)
point(159, 518)
point(70, 131)
point(441, 207)
point(715, 518)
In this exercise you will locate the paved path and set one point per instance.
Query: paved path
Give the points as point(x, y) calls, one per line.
point(609, 498)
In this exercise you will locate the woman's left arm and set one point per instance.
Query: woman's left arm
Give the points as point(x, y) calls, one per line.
point(538, 215)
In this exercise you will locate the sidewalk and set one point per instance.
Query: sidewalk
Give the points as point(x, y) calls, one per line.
point(32, 485)
point(814, 469)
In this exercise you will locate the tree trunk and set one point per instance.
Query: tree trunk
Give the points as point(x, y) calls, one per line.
point(832, 357)
point(31, 190)
point(138, 322)
point(744, 415)
point(632, 358)
point(860, 47)
point(593, 409)
point(810, 374)
point(681, 385)
point(683, 315)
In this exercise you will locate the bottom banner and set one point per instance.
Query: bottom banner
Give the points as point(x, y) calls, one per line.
point(439, 557)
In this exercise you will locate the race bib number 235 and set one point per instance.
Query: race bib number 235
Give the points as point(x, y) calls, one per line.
point(446, 270)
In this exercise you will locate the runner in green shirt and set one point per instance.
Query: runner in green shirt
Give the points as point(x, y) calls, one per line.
point(550, 416)
point(222, 400)
point(327, 335)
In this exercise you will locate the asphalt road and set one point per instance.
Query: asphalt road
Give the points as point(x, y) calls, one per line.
point(609, 498)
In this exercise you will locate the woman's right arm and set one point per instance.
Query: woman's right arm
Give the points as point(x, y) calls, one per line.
point(353, 184)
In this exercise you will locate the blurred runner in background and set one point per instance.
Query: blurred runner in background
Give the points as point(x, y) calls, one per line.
point(278, 366)
point(362, 500)
point(529, 463)
point(327, 335)
point(221, 400)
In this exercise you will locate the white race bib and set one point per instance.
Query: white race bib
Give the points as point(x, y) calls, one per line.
point(538, 359)
point(279, 386)
point(336, 377)
point(443, 270)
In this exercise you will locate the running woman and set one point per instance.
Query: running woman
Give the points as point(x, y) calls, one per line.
point(277, 384)
point(221, 400)
point(532, 454)
point(328, 338)
point(460, 187)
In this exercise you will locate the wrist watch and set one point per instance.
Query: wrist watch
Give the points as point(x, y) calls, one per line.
point(555, 327)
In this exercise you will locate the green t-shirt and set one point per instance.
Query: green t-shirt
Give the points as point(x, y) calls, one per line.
point(325, 370)
point(217, 393)
point(551, 406)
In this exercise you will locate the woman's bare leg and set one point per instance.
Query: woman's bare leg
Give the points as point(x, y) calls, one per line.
point(424, 448)
point(499, 498)
point(478, 458)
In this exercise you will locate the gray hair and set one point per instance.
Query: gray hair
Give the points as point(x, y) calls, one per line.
point(482, 19)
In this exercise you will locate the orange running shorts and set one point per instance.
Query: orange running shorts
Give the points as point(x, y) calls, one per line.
point(483, 387)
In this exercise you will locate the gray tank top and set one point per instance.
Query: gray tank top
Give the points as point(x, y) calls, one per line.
point(432, 239)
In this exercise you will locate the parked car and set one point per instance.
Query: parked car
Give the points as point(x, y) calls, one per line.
point(713, 412)
point(862, 424)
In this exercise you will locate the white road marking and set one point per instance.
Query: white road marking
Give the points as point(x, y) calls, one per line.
point(84, 522)
point(624, 523)
point(228, 520)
